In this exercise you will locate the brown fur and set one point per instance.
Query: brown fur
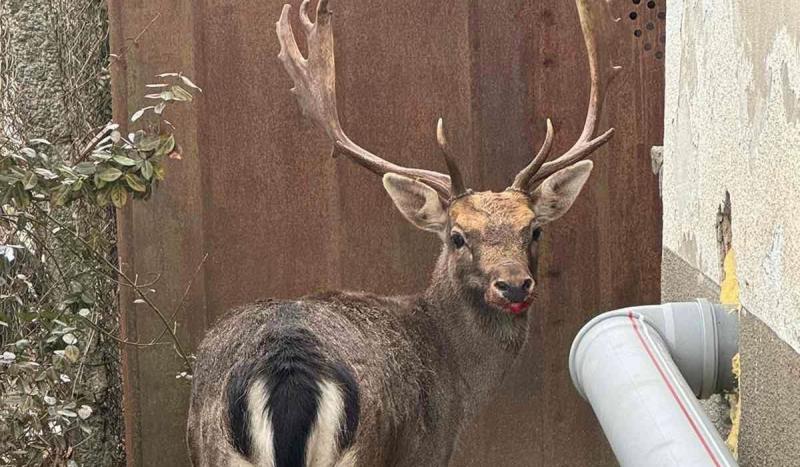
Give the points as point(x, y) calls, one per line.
point(424, 364)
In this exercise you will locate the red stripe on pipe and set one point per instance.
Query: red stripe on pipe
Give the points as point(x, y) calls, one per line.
point(672, 390)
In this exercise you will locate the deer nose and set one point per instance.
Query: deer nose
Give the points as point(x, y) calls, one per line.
point(514, 290)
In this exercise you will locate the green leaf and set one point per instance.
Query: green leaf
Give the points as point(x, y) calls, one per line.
point(166, 146)
point(147, 170)
point(100, 156)
point(77, 185)
point(180, 94)
point(166, 95)
point(123, 160)
point(135, 182)
point(160, 108)
point(103, 197)
point(59, 196)
point(85, 168)
point(46, 174)
point(72, 353)
point(10, 180)
point(119, 196)
point(67, 171)
point(109, 174)
point(149, 143)
point(86, 297)
point(138, 114)
point(30, 181)
point(21, 196)
point(159, 172)
point(189, 83)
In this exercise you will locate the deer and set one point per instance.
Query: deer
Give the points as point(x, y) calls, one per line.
point(356, 379)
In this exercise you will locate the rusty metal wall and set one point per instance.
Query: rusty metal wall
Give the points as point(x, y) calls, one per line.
point(257, 191)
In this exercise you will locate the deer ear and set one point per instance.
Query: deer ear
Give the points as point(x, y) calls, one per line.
point(556, 194)
point(418, 202)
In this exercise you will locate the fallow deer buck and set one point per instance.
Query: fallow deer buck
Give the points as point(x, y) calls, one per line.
point(346, 379)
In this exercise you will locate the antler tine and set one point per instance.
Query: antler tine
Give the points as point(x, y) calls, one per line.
point(522, 178)
point(314, 81)
point(457, 186)
point(596, 20)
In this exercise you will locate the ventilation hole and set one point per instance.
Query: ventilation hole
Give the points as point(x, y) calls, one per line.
point(637, 33)
point(650, 26)
point(633, 15)
point(663, 38)
point(651, 4)
point(662, 15)
point(636, 2)
point(659, 55)
point(648, 46)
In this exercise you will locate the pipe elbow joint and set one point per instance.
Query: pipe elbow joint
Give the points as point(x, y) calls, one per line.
point(700, 337)
point(642, 370)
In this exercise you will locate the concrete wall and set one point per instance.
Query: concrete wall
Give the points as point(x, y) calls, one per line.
point(732, 126)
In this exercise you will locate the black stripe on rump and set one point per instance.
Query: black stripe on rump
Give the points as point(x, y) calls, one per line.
point(291, 370)
point(349, 387)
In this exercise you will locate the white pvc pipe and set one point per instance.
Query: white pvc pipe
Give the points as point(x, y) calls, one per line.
point(622, 363)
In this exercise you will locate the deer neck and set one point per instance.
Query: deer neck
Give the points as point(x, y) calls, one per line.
point(483, 343)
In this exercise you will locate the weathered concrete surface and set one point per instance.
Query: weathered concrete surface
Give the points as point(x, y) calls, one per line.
point(681, 282)
point(770, 429)
point(733, 123)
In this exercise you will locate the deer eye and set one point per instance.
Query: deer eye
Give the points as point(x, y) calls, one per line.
point(458, 240)
point(537, 232)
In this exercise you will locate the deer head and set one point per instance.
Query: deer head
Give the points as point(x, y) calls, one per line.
point(489, 238)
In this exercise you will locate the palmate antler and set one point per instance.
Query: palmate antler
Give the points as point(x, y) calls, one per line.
point(314, 81)
point(596, 20)
point(315, 88)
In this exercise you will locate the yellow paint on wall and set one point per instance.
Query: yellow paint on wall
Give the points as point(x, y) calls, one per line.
point(736, 412)
point(729, 295)
point(729, 289)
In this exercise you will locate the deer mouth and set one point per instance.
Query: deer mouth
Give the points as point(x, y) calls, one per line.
point(517, 308)
point(505, 306)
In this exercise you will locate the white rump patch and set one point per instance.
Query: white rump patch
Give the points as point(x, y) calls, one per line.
point(260, 425)
point(348, 459)
point(322, 448)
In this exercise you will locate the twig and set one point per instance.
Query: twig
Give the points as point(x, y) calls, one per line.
point(128, 282)
point(117, 339)
point(96, 327)
point(183, 298)
point(124, 50)
point(79, 373)
point(108, 128)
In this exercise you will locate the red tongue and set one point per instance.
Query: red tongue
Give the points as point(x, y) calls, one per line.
point(516, 308)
